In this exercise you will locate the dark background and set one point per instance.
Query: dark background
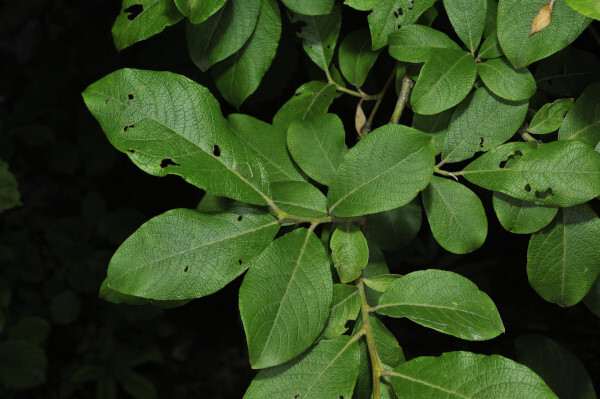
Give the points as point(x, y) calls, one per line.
point(81, 199)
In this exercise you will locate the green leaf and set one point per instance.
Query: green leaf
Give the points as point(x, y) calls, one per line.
point(140, 19)
point(318, 145)
point(491, 15)
point(223, 34)
point(416, 43)
point(213, 204)
point(285, 298)
point(561, 370)
point(356, 57)
point(563, 260)
point(568, 72)
point(405, 161)
point(198, 11)
point(456, 215)
point(396, 228)
point(319, 35)
point(388, 349)
point(589, 8)
point(344, 307)
point(270, 145)
point(32, 329)
point(562, 173)
point(309, 7)
point(364, 382)
point(300, 199)
point(238, 76)
point(514, 24)
point(482, 122)
point(22, 365)
point(592, 299)
point(112, 296)
point(349, 251)
point(183, 254)
point(468, 18)
point(435, 125)
point(188, 138)
point(326, 371)
point(550, 117)
point(583, 122)
point(445, 302)
point(490, 48)
point(521, 217)
point(506, 81)
point(9, 193)
point(467, 375)
point(445, 80)
point(381, 282)
point(310, 100)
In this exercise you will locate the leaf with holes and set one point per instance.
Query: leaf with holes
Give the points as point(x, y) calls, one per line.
point(550, 117)
point(467, 375)
point(356, 57)
point(188, 138)
point(328, 370)
point(300, 199)
point(505, 81)
point(481, 122)
point(285, 298)
point(309, 7)
point(521, 217)
point(238, 76)
point(416, 43)
point(9, 193)
point(344, 307)
point(445, 302)
point(468, 18)
point(318, 146)
point(184, 254)
point(198, 11)
point(445, 80)
point(589, 8)
point(455, 214)
point(310, 100)
point(583, 122)
point(563, 260)
point(223, 34)
point(141, 19)
point(349, 251)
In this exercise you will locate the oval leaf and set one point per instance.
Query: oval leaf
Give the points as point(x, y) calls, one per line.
point(583, 122)
point(522, 217)
point(506, 81)
point(349, 251)
point(550, 117)
point(310, 100)
point(356, 57)
point(468, 19)
point(416, 43)
point(300, 199)
point(319, 35)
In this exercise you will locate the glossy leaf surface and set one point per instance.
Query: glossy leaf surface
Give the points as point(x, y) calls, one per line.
point(349, 251)
point(589, 8)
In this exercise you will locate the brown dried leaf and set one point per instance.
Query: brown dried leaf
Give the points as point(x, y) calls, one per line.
point(542, 19)
point(359, 119)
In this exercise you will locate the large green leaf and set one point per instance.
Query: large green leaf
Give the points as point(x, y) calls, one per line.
point(468, 19)
point(416, 43)
point(9, 193)
point(238, 76)
point(345, 306)
point(445, 80)
point(583, 122)
point(522, 217)
point(456, 215)
point(318, 145)
point(468, 375)
point(285, 298)
point(356, 57)
point(198, 11)
point(184, 254)
point(563, 173)
point(310, 100)
point(405, 161)
point(481, 122)
point(506, 81)
point(550, 116)
point(563, 260)
point(589, 8)
point(168, 124)
point(514, 24)
point(300, 198)
point(319, 35)
point(443, 301)
point(223, 34)
point(326, 371)
point(309, 7)
point(395, 228)
point(561, 370)
point(140, 19)
point(349, 251)
point(22, 365)
point(270, 145)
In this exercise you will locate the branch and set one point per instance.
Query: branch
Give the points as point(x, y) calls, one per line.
point(407, 85)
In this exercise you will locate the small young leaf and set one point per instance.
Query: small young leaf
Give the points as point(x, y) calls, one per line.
point(456, 215)
point(583, 122)
point(310, 100)
point(345, 306)
point(396, 228)
point(468, 19)
point(318, 146)
point(309, 7)
point(522, 217)
point(490, 48)
point(300, 198)
point(349, 251)
point(238, 76)
point(405, 161)
point(285, 298)
point(223, 34)
point(445, 80)
point(356, 57)
point(141, 19)
point(327, 370)
point(199, 11)
point(381, 282)
point(589, 8)
point(563, 260)
point(183, 254)
point(445, 302)
point(22, 365)
point(467, 375)
point(505, 81)
point(9, 193)
point(543, 18)
point(550, 117)
point(416, 43)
